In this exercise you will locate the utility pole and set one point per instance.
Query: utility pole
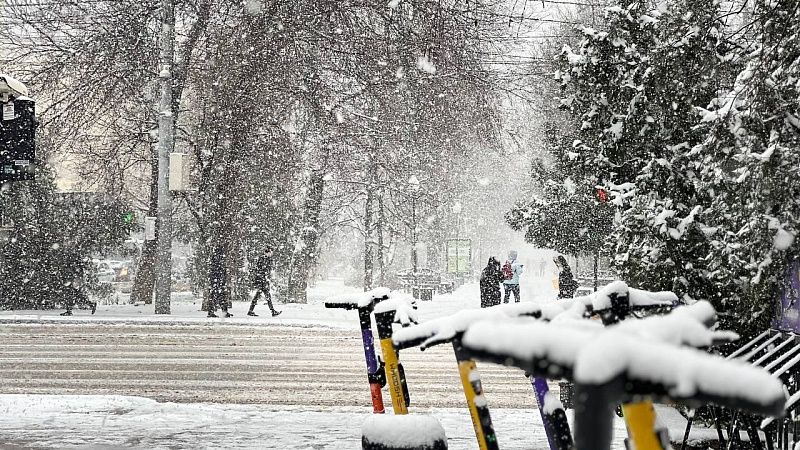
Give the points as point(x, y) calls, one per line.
point(166, 143)
point(414, 235)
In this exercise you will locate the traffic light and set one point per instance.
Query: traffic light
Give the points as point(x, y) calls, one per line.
point(17, 131)
point(602, 195)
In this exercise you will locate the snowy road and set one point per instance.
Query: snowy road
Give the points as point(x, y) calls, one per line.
point(307, 388)
point(275, 365)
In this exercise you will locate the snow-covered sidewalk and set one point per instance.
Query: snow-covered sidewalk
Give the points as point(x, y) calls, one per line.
point(185, 309)
point(47, 421)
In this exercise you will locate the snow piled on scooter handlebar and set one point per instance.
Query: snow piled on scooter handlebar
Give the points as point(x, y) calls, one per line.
point(684, 373)
point(403, 305)
point(685, 325)
point(601, 300)
point(358, 300)
point(643, 351)
point(444, 329)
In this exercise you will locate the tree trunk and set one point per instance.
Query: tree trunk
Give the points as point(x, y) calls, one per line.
point(239, 284)
point(368, 262)
point(143, 284)
point(305, 261)
point(224, 234)
point(380, 249)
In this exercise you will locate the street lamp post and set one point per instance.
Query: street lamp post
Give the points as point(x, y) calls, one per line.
point(457, 211)
point(413, 182)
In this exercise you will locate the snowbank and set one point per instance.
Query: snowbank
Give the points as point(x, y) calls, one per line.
point(70, 421)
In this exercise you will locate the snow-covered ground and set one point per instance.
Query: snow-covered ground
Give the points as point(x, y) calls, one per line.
point(114, 421)
point(111, 421)
point(35, 421)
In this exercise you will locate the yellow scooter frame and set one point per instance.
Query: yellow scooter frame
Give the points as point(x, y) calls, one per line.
point(395, 378)
point(640, 421)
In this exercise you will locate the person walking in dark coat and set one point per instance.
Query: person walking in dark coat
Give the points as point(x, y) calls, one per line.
point(217, 276)
point(261, 274)
point(491, 278)
point(566, 282)
point(73, 293)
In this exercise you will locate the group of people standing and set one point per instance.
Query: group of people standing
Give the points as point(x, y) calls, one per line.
point(508, 275)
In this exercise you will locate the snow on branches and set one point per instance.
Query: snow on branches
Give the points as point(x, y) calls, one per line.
point(702, 127)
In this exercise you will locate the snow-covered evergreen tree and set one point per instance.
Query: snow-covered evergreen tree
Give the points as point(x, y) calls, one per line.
point(750, 164)
point(52, 239)
point(564, 214)
point(636, 86)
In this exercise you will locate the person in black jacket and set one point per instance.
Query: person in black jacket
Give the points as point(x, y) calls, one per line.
point(261, 274)
point(491, 278)
point(566, 282)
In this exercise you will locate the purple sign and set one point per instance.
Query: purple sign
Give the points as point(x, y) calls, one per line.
point(787, 317)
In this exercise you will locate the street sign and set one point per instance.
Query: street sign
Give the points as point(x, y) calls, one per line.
point(459, 255)
point(179, 171)
point(17, 139)
point(8, 111)
point(149, 228)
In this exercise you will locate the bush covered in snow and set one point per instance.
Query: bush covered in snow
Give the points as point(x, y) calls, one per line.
point(52, 240)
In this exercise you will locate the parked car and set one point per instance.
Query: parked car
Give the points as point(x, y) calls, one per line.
point(105, 274)
point(120, 270)
point(115, 264)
